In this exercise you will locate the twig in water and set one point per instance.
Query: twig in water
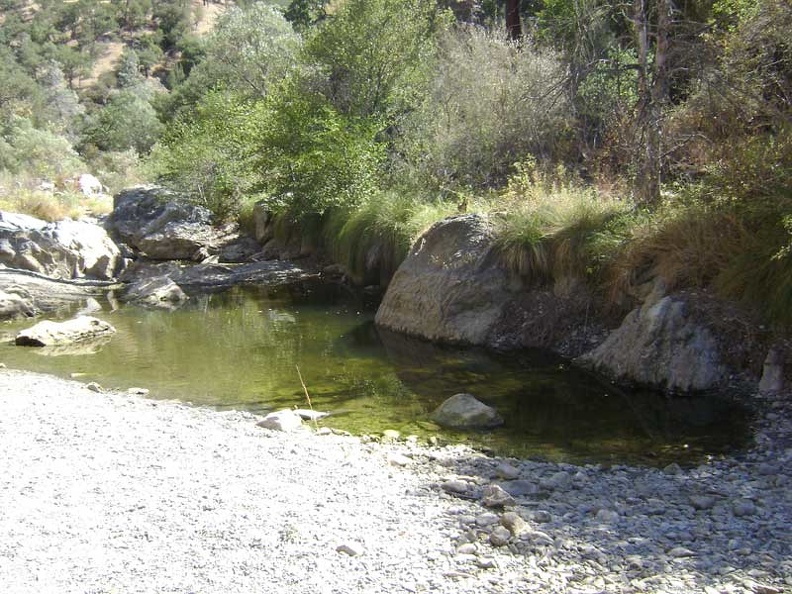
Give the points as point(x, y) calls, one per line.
point(307, 396)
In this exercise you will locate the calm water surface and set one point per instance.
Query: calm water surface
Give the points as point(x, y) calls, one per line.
point(241, 349)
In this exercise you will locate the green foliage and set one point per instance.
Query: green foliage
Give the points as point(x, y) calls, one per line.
point(127, 121)
point(370, 54)
point(26, 149)
point(373, 239)
point(314, 158)
point(491, 103)
point(551, 227)
point(209, 155)
point(303, 14)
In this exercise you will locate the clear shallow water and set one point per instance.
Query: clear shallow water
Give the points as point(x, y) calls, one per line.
point(241, 349)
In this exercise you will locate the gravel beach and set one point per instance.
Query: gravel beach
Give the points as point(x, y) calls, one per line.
point(112, 492)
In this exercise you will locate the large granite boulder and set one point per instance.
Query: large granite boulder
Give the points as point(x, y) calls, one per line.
point(660, 344)
point(65, 249)
point(448, 288)
point(158, 292)
point(158, 224)
point(52, 334)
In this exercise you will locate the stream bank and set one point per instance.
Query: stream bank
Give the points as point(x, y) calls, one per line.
point(112, 492)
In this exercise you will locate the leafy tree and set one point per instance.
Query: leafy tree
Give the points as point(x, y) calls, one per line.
point(371, 54)
point(304, 14)
point(127, 121)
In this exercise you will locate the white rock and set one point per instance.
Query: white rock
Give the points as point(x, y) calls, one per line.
point(282, 420)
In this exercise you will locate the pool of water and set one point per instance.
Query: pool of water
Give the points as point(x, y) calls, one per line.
point(242, 349)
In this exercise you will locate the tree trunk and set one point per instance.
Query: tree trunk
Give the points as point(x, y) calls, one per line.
point(513, 24)
point(653, 90)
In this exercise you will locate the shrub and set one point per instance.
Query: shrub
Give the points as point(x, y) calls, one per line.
point(491, 104)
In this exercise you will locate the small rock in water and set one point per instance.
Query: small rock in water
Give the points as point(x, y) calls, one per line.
point(702, 502)
point(390, 435)
point(495, 496)
point(94, 387)
point(138, 391)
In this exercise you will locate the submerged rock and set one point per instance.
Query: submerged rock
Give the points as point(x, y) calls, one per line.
point(464, 411)
point(159, 292)
point(50, 334)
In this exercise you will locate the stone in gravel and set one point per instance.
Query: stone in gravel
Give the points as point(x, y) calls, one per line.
point(310, 415)
point(495, 496)
point(353, 549)
point(521, 488)
point(514, 523)
point(396, 459)
point(679, 552)
point(702, 502)
point(487, 519)
point(607, 516)
point(506, 471)
point(743, 507)
point(560, 480)
point(282, 420)
point(467, 549)
point(455, 487)
point(486, 563)
point(390, 435)
point(673, 469)
point(138, 391)
point(94, 387)
point(499, 536)
point(542, 516)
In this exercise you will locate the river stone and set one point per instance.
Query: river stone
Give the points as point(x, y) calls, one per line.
point(495, 496)
point(447, 288)
point(465, 411)
point(283, 420)
point(64, 249)
point(660, 345)
point(49, 333)
point(156, 292)
point(500, 536)
point(164, 226)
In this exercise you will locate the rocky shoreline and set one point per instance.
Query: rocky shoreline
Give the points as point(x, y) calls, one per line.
point(113, 492)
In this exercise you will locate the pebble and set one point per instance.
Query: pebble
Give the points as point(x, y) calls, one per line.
point(721, 527)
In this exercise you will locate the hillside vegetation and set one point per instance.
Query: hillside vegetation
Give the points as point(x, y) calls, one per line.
point(613, 142)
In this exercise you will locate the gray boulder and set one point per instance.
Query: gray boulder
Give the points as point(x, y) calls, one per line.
point(49, 333)
point(159, 224)
point(448, 288)
point(13, 305)
point(65, 249)
point(157, 292)
point(464, 411)
point(660, 345)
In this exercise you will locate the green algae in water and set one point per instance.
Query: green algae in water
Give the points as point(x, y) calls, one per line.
point(241, 349)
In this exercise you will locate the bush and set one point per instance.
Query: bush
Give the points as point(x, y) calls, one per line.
point(492, 103)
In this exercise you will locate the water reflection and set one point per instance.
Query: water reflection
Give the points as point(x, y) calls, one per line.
point(240, 349)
